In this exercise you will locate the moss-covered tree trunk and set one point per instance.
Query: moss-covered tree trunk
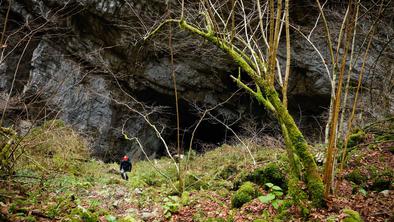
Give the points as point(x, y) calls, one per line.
point(301, 149)
point(269, 97)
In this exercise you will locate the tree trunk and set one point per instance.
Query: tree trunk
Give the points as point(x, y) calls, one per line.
point(301, 149)
point(273, 103)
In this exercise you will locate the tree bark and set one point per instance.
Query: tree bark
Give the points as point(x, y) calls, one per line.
point(272, 102)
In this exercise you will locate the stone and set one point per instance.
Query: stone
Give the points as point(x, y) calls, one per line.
point(147, 216)
point(385, 193)
point(88, 66)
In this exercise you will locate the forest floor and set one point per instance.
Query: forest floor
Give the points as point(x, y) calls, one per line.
point(83, 189)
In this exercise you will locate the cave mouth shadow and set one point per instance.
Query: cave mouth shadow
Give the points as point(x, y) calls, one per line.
point(308, 112)
point(209, 134)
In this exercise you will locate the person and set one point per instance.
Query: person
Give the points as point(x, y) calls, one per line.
point(125, 166)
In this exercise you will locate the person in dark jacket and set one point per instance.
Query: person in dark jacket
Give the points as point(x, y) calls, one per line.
point(125, 166)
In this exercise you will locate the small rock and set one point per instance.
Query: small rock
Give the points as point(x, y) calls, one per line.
point(138, 191)
point(116, 204)
point(385, 193)
point(120, 193)
point(149, 215)
point(132, 211)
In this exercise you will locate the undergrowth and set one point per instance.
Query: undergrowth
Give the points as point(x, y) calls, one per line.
point(55, 179)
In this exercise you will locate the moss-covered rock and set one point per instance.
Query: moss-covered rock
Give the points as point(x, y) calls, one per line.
point(271, 173)
point(383, 180)
point(228, 171)
point(352, 216)
point(381, 184)
point(372, 179)
point(247, 192)
point(240, 198)
point(356, 138)
point(357, 177)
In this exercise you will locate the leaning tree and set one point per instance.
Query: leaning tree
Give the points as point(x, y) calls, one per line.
point(249, 32)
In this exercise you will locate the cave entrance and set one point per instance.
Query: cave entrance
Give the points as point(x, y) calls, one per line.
point(209, 134)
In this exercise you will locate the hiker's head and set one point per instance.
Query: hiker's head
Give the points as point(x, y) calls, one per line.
point(125, 158)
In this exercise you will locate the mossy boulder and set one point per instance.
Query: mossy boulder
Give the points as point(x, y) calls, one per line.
point(227, 171)
point(271, 173)
point(383, 180)
point(356, 138)
point(357, 177)
point(247, 192)
point(372, 179)
point(352, 216)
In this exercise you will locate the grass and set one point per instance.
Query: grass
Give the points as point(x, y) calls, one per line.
point(56, 179)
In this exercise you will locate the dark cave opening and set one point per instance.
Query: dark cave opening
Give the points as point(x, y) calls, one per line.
point(310, 114)
point(210, 133)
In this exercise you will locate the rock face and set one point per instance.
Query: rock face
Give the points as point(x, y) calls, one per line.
point(86, 62)
point(80, 100)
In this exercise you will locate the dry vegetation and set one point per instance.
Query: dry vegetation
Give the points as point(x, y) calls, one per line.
point(55, 180)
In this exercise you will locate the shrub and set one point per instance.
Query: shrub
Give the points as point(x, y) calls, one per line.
point(54, 146)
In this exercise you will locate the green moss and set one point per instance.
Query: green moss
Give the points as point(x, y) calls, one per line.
point(316, 189)
point(249, 188)
point(128, 219)
point(352, 216)
point(239, 199)
point(298, 195)
point(194, 182)
point(357, 177)
point(383, 180)
point(81, 214)
point(271, 173)
point(385, 137)
point(376, 179)
point(380, 184)
point(332, 218)
point(312, 177)
point(215, 220)
point(245, 193)
point(356, 138)
point(228, 171)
